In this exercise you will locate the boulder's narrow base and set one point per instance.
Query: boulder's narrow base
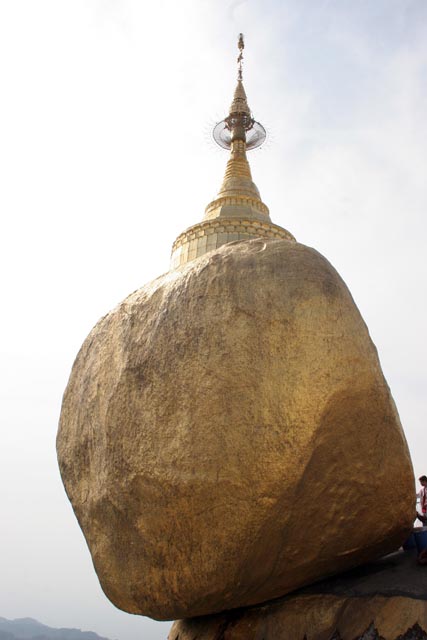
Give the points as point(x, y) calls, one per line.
point(385, 600)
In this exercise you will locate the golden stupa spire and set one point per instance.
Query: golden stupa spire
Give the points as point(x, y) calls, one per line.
point(237, 213)
point(239, 131)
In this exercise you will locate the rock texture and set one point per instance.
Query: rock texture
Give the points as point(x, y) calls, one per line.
point(215, 412)
point(317, 617)
point(385, 600)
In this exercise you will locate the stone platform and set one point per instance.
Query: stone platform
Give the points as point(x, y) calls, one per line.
point(383, 600)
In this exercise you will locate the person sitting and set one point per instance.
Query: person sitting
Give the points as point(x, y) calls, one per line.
point(423, 495)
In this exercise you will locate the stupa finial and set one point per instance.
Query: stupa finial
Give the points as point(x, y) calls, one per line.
point(239, 124)
point(241, 45)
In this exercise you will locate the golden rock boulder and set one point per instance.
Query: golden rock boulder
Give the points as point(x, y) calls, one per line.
point(227, 435)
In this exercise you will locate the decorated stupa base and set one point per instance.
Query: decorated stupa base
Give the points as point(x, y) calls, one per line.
point(384, 600)
point(212, 234)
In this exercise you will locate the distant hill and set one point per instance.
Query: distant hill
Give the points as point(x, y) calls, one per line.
point(30, 629)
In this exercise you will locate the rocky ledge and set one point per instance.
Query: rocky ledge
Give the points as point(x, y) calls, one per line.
point(382, 600)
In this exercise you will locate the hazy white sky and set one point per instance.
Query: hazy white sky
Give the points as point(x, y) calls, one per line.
point(105, 157)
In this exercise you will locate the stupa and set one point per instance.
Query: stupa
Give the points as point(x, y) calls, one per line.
point(227, 435)
point(237, 213)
